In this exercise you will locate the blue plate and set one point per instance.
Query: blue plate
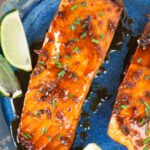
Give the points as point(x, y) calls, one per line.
point(36, 17)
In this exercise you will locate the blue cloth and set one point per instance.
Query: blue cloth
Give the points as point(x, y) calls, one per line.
point(37, 21)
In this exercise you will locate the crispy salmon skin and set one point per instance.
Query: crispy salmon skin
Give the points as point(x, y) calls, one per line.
point(74, 48)
point(129, 124)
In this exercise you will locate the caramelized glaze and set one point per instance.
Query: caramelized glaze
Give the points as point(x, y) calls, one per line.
point(74, 49)
point(129, 124)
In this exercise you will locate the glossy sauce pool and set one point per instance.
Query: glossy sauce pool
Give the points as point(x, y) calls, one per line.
point(100, 93)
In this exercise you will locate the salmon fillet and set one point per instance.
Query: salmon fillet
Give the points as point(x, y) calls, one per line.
point(129, 124)
point(74, 48)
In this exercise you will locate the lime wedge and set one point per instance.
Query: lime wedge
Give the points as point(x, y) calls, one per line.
point(9, 85)
point(14, 43)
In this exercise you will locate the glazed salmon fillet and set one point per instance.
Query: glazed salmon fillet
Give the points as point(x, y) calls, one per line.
point(129, 124)
point(74, 48)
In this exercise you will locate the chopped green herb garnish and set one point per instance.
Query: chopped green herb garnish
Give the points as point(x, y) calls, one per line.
point(67, 56)
point(40, 90)
point(146, 129)
point(77, 21)
point(74, 7)
point(146, 148)
point(41, 63)
point(83, 35)
point(26, 136)
point(101, 14)
point(70, 96)
point(49, 138)
point(36, 113)
point(124, 106)
point(76, 50)
point(147, 111)
point(83, 4)
point(147, 140)
point(72, 27)
point(143, 121)
point(43, 130)
point(95, 41)
point(58, 55)
point(59, 64)
point(66, 65)
point(61, 73)
point(147, 77)
point(102, 36)
point(54, 103)
point(139, 60)
point(59, 137)
point(147, 108)
point(74, 40)
point(84, 25)
point(147, 105)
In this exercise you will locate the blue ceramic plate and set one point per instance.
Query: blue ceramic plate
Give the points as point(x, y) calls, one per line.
point(36, 17)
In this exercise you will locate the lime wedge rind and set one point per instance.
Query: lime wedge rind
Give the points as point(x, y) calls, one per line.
point(9, 85)
point(4, 92)
point(17, 94)
point(14, 42)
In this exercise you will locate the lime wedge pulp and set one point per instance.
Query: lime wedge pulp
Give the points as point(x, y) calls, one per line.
point(14, 43)
point(9, 85)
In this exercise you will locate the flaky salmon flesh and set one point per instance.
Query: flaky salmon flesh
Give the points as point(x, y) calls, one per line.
point(74, 48)
point(130, 121)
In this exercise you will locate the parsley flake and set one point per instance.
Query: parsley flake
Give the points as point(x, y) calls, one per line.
point(70, 96)
point(58, 63)
point(147, 77)
point(83, 4)
point(76, 50)
point(43, 130)
point(74, 7)
point(41, 63)
point(143, 121)
point(102, 36)
point(124, 106)
point(49, 138)
point(146, 129)
point(95, 41)
point(54, 103)
point(147, 140)
point(36, 113)
point(83, 35)
point(72, 27)
point(61, 73)
point(139, 60)
point(26, 136)
point(84, 26)
point(147, 109)
point(59, 137)
point(74, 40)
point(146, 148)
point(77, 21)
point(67, 56)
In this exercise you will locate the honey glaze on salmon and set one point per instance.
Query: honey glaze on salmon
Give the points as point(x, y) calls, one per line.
point(74, 48)
point(130, 122)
